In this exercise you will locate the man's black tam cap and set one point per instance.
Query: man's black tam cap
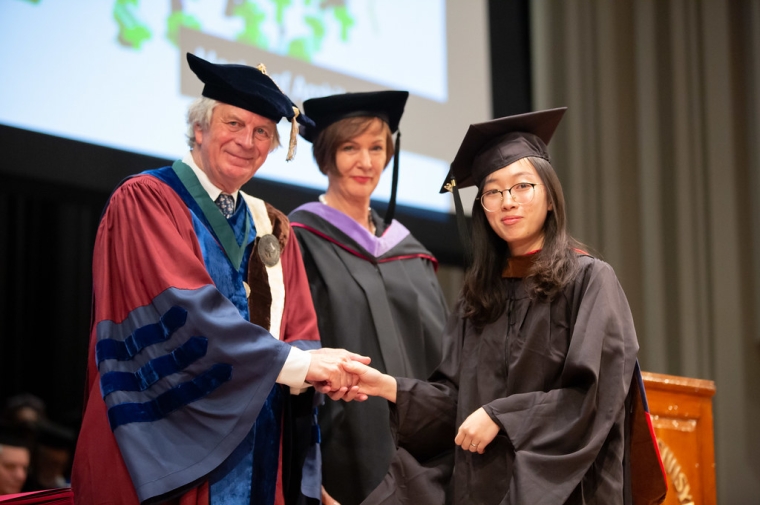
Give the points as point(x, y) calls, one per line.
point(326, 110)
point(249, 88)
point(493, 145)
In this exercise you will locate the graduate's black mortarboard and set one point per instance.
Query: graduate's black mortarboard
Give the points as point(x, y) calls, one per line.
point(493, 145)
point(490, 146)
point(386, 105)
point(249, 88)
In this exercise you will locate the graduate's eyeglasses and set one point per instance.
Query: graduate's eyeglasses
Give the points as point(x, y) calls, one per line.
point(522, 192)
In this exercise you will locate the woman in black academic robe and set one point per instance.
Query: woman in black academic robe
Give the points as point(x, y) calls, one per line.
point(540, 353)
point(373, 284)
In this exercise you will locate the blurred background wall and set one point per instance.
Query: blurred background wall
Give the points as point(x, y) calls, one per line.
point(660, 163)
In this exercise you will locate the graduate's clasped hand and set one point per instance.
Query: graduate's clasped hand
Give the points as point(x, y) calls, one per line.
point(370, 382)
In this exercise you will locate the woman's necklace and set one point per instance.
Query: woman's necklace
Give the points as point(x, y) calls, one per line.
point(370, 223)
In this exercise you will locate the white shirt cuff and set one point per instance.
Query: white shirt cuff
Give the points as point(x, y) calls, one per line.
point(294, 371)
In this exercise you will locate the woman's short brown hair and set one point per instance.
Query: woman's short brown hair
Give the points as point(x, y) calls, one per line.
point(327, 142)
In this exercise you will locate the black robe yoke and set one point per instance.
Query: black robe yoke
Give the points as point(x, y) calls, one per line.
point(377, 296)
point(554, 376)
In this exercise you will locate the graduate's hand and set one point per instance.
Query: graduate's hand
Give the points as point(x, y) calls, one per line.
point(476, 432)
point(347, 394)
point(371, 382)
point(326, 372)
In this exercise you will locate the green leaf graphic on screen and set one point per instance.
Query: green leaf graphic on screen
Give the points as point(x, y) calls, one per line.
point(302, 47)
point(254, 18)
point(318, 29)
point(269, 26)
point(298, 49)
point(346, 21)
point(178, 19)
point(281, 6)
point(132, 32)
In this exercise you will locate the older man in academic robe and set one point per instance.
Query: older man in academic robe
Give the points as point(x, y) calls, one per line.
point(202, 321)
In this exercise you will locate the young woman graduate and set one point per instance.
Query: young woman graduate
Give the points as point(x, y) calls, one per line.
point(537, 388)
point(373, 284)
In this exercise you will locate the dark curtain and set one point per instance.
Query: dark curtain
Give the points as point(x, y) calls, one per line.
point(46, 238)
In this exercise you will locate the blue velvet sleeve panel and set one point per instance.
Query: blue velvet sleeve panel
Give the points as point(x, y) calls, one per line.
point(184, 379)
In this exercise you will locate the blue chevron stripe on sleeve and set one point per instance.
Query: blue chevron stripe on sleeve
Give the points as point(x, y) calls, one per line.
point(141, 338)
point(176, 397)
point(157, 368)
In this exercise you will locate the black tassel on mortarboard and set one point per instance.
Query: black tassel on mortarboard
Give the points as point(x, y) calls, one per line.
point(391, 211)
point(464, 230)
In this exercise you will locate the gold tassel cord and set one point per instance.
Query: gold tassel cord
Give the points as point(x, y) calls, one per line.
point(293, 124)
point(293, 135)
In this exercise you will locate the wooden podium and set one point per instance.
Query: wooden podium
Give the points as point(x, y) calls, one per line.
point(681, 411)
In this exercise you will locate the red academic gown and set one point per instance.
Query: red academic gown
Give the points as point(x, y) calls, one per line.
point(149, 256)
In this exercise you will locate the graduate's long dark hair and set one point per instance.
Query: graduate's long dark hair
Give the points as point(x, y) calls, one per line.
point(556, 265)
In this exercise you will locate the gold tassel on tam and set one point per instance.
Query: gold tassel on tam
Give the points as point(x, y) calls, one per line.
point(293, 135)
point(293, 124)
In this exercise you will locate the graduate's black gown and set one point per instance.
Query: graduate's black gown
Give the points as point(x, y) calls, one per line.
point(554, 377)
point(377, 296)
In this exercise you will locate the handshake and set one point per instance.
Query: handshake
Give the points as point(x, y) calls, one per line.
point(344, 375)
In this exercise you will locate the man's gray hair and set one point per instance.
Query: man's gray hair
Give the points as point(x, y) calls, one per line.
point(199, 113)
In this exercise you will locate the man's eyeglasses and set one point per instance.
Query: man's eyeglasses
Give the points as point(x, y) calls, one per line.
point(522, 192)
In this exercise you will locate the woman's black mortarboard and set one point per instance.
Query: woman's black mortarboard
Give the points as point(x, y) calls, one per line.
point(386, 105)
point(249, 88)
point(493, 145)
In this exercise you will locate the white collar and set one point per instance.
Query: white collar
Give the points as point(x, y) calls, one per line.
point(212, 190)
